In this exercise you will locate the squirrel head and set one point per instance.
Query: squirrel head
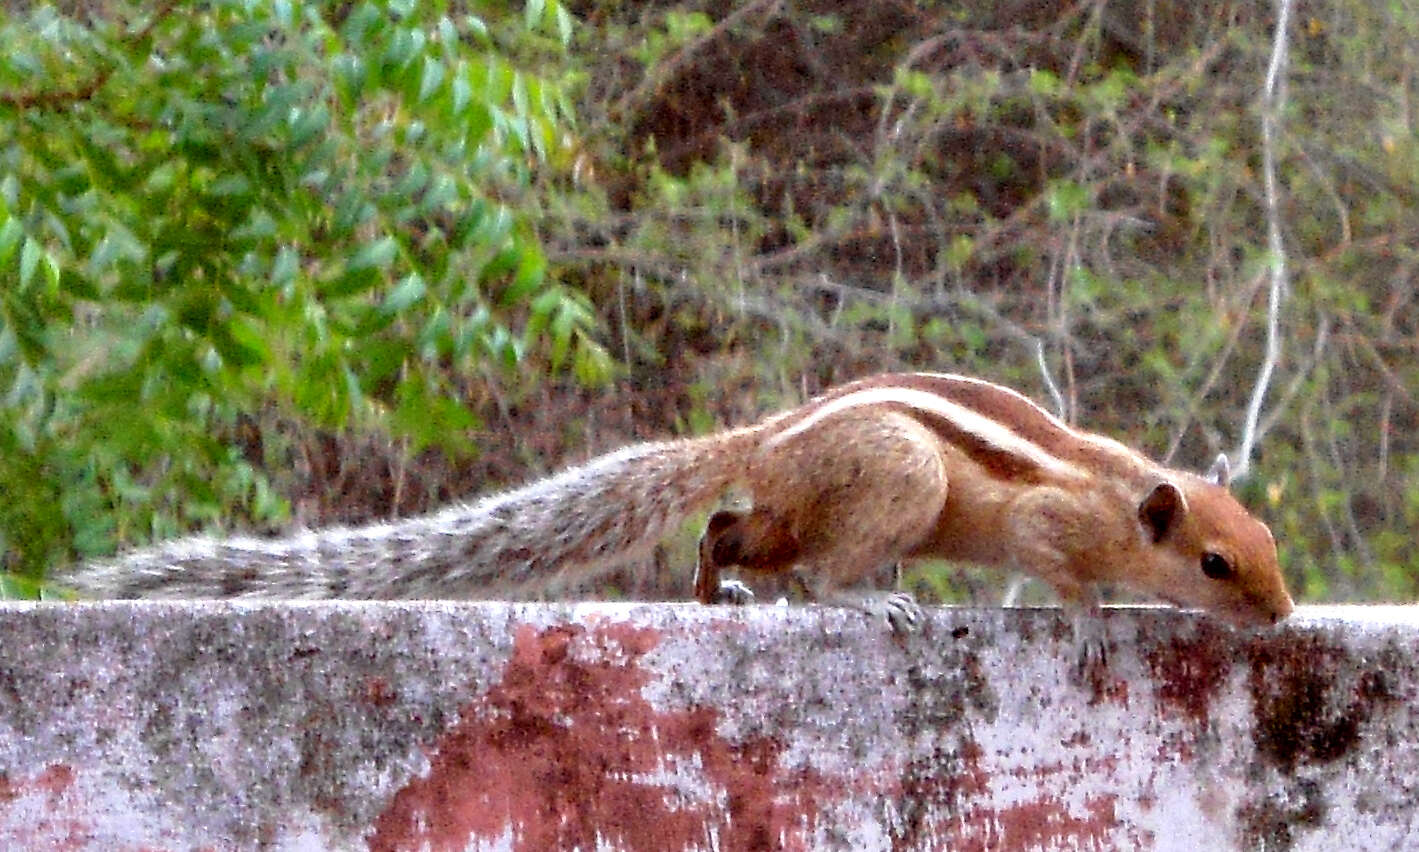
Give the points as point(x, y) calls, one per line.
point(1210, 552)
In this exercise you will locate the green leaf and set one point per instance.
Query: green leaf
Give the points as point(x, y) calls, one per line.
point(230, 185)
point(561, 330)
point(959, 251)
point(532, 13)
point(307, 123)
point(1065, 200)
point(249, 337)
point(239, 344)
point(478, 27)
point(52, 273)
point(531, 268)
point(564, 25)
point(351, 76)
point(1044, 82)
point(376, 255)
point(431, 78)
point(10, 236)
point(284, 269)
point(462, 91)
point(29, 262)
point(405, 294)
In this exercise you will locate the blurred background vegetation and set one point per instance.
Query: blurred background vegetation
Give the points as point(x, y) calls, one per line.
point(266, 264)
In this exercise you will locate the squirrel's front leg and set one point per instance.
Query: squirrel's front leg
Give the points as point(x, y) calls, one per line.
point(1046, 527)
point(1086, 624)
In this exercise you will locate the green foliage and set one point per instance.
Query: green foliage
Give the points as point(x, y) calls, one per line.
point(244, 207)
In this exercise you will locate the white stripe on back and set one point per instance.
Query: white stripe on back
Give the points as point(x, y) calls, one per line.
point(968, 420)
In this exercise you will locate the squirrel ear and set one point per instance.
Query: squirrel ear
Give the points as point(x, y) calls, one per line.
point(1162, 510)
point(1220, 473)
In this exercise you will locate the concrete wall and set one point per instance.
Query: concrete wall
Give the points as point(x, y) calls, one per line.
point(666, 727)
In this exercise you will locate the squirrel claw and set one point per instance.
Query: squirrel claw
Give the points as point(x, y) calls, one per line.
point(904, 614)
point(1091, 662)
point(1093, 656)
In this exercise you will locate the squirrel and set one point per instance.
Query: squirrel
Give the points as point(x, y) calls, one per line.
point(885, 469)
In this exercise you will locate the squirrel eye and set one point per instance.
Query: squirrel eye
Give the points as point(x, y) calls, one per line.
point(1216, 566)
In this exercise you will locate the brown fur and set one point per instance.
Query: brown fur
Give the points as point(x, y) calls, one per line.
point(880, 470)
point(884, 481)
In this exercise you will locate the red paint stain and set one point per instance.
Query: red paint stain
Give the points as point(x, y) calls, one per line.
point(56, 779)
point(378, 692)
point(1078, 768)
point(974, 781)
point(60, 825)
point(565, 752)
point(1114, 691)
point(960, 815)
point(1045, 823)
point(1190, 672)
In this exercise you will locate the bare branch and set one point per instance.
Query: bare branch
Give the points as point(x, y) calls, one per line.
point(1292, 389)
point(1273, 102)
point(1054, 394)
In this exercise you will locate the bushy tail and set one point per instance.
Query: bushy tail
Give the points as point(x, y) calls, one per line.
point(613, 508)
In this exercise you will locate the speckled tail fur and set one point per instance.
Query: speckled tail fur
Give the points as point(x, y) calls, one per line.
point(613, 508)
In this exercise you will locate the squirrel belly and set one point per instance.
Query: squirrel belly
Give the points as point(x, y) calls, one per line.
point(888, 468)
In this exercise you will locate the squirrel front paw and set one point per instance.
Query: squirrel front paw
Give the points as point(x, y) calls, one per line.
point(904, 614)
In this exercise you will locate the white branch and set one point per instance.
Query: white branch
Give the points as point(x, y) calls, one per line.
point(1059, 407)
point(1273, 102)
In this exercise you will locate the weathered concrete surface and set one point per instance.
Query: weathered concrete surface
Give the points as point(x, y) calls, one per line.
point(666, 727)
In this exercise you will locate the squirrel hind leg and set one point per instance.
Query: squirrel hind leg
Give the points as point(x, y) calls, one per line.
point(859, 493)
point(753, 540)
point(868, 491)
point(720, 540)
